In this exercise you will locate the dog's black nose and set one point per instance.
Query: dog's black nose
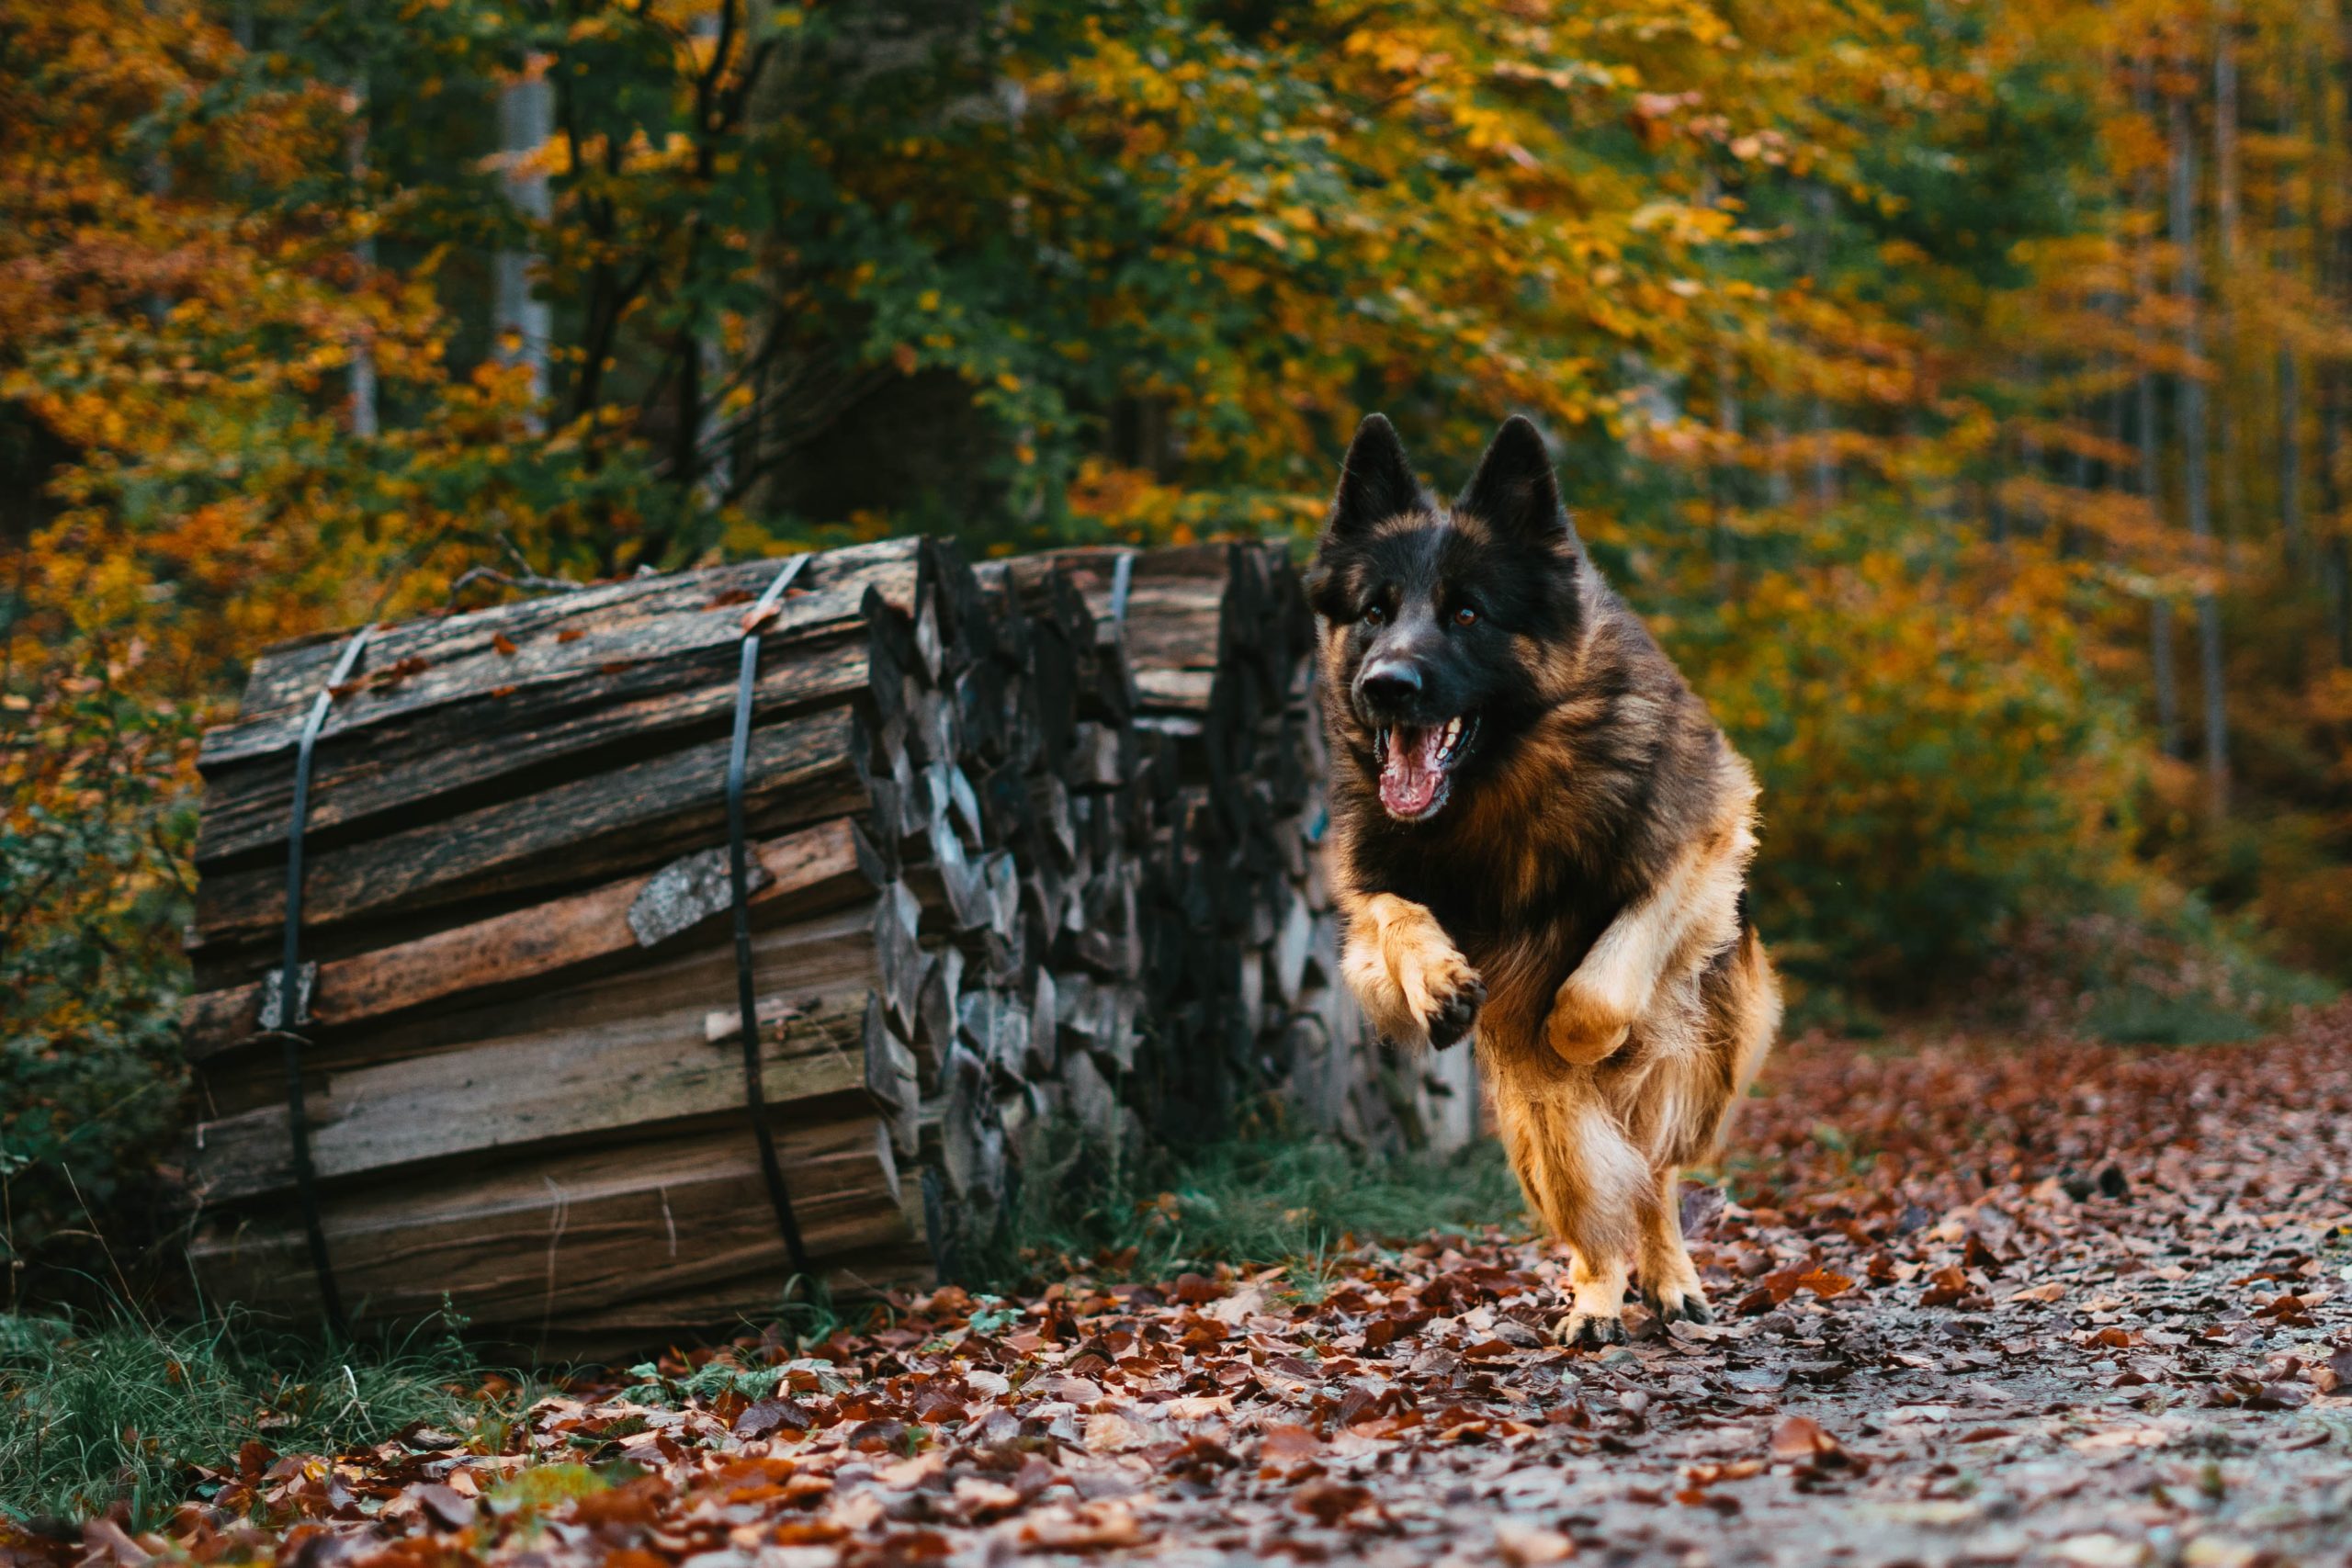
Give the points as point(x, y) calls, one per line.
point(1391, 684)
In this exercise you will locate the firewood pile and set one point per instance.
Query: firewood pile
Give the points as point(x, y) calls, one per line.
point(1241, 939)
point(1027, 845)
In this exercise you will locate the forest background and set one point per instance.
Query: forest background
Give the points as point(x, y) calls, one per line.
point(1960, 386)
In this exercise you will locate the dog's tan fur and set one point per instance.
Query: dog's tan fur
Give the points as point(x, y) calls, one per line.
point(1627, 1001)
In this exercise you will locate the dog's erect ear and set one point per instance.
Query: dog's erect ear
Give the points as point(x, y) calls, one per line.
point(1514, 490)
point(1376, 480)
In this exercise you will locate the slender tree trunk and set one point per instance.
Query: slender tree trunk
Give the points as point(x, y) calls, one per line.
point(2078, 475)
point(2290, 402)
point(1727, 425)
point(705, 380)
point(764, 446)
point(2163, 666)
point(2029, 453)
point(363, 352)
point(2332, 497)
point(2231, 492)
point(1778, 490)
point(2195, 434)
point(2290, 459)
point(2340, 555)
point(1824, 471)
point(523, 323)
point(2331, 246)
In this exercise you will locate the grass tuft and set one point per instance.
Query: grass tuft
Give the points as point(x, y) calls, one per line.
point(117, 1411)
point(2137, 1015)
point(1285, 1197)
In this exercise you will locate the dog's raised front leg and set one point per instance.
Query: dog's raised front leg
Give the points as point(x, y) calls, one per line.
point(1690, 913)
point(1411, 982)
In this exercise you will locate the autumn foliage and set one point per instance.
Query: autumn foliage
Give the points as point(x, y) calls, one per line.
point(1959, 389)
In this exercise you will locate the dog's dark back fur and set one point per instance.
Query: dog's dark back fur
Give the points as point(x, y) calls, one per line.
point(1595, 764)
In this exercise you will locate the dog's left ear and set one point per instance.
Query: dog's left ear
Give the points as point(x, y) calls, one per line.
point(1514, 490)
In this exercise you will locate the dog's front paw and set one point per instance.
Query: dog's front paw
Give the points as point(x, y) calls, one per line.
point(1453, 995)
point(1413, 983)
point(1583, 1028)
point(1591, 1330)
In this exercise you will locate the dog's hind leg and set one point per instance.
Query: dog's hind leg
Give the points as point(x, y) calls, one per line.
point(1586, 1180)
point(1669, 1280)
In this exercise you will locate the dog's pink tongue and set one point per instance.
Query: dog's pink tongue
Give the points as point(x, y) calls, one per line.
point(1409, 779)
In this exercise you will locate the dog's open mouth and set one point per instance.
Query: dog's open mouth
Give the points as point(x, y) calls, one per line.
point(1417, 765)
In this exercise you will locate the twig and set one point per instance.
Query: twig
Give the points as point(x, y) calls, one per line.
point(528, 582)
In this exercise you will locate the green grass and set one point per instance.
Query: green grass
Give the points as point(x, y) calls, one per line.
point(2135, 1015)
point(96, 1413)
point(1289, 1197)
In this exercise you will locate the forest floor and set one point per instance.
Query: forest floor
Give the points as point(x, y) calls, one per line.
point(2070, 1304)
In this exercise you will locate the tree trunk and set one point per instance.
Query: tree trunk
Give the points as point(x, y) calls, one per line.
point(2290, 391)
point(2195, 435)
point(522, 323)
point(2162, 671)
point(363, 353)
point(2231, 490)
point(2290, 459)
point(2340, 561)
point(1726, 470)
point(1824, 471)
point(2331, 498)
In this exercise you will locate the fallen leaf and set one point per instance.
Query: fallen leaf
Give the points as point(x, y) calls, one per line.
point(1825, 1284)
point(1522, 1545)
point(447, 1508)
point(1286, 1445)
point(1802, 1437)
point(1330, 1501)
point(1107, 1431)
point(770, 1415)
point(1090, 1527)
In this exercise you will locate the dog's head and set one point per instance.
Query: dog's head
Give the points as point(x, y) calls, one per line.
point(1434, 617)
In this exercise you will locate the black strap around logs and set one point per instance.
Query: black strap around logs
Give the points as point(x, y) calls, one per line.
point(738, 873)
point(292, 994)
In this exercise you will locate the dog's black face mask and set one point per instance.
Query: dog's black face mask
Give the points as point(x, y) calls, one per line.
point(1434, 610)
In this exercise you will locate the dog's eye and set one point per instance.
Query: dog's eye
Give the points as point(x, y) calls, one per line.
point(1464, 615)
point(1374, 615)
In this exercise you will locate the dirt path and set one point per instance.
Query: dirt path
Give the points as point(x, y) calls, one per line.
point(2072, 1305)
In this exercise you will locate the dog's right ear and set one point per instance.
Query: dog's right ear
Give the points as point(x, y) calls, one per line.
point(1376, 482)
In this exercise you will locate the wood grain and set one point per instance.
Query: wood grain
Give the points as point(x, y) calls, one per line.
point(808, 871)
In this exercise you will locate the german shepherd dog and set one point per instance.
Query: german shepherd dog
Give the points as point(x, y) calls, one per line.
point(1540, 835)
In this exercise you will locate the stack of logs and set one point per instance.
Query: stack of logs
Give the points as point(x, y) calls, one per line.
point(1241, 939)
point(1031, 844)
